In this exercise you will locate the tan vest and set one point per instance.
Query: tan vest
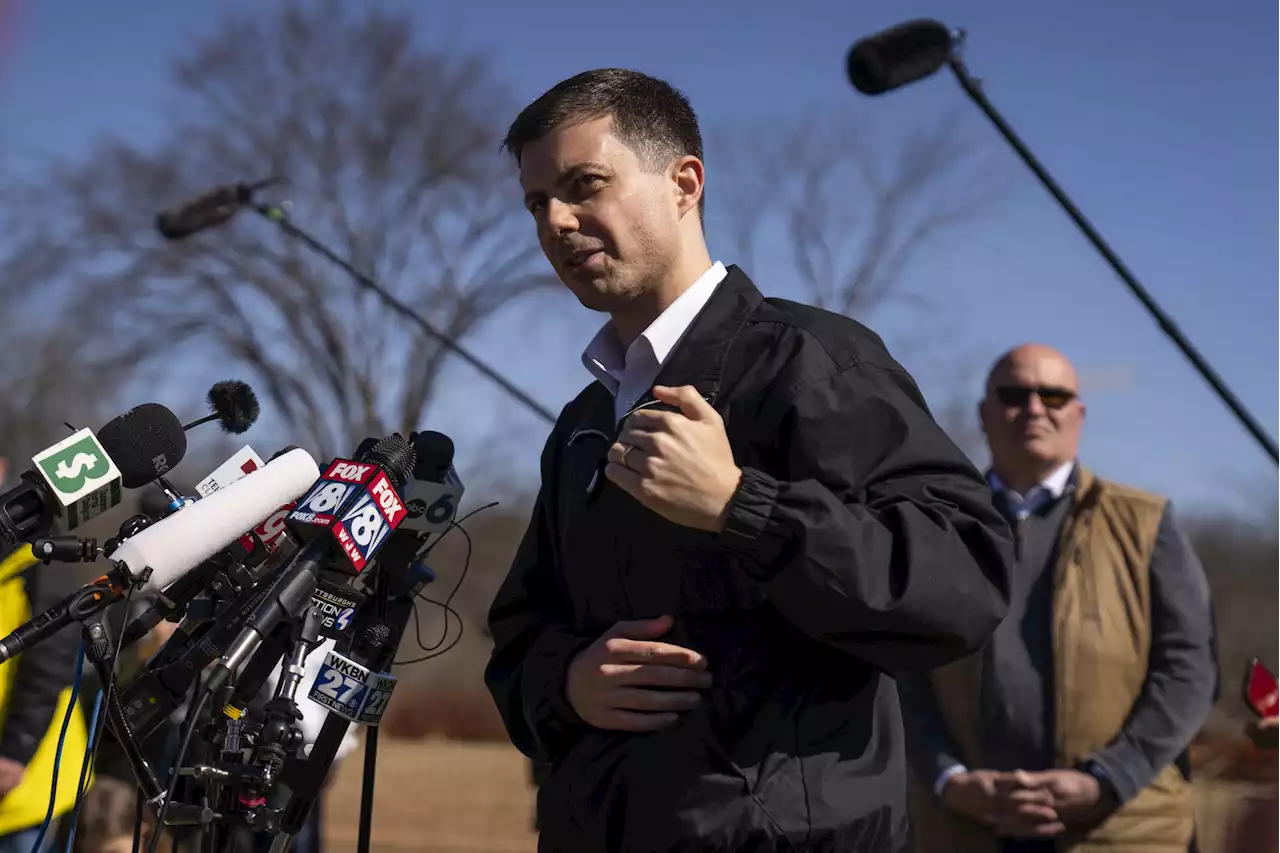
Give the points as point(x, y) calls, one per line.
point(1101, 637)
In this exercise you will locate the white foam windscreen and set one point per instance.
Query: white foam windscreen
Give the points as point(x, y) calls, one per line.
point(177, 544)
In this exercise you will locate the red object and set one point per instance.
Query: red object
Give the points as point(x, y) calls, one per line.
point(249, 466)
point(1261, 693)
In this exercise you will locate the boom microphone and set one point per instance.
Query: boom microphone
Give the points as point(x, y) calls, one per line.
point(899, 55)
point(915, 49)
point(207, 210)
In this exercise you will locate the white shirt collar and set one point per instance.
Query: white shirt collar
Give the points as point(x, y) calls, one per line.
point(1055, 484)
point(604, 356)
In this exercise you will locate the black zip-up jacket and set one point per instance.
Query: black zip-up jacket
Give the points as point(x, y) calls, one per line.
point(860, 542)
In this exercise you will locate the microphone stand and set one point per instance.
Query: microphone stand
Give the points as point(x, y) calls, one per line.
point(973, 88)
point(375, 634)
point(281, 218)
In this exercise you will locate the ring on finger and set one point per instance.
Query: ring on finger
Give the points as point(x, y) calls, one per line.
point(626, 448)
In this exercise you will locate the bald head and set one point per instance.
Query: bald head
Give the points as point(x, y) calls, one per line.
point(1032, 414)
point(1042, 360)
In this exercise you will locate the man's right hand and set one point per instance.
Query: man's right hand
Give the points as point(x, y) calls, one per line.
point(996, 800)
point(627, 682)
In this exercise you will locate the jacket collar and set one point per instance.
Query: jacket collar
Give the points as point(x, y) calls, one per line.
point(698, 359)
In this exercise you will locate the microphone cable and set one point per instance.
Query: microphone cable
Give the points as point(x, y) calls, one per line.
point(62, 738)
point(446, 605)
point(199, 697)
point(98, 721)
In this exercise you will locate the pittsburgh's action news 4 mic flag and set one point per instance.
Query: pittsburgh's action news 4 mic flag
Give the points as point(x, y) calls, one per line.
point(81, 475)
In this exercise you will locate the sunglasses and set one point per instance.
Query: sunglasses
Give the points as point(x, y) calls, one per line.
point(1019, 395)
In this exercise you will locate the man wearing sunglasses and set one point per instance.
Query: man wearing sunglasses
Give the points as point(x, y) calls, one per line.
point(1069, 730)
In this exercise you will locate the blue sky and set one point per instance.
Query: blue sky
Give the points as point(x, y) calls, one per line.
point(1161, 125)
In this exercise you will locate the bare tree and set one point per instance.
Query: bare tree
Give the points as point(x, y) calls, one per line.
point(49, 380)
point(852, 219)
point(852, 223)
point(391, 155)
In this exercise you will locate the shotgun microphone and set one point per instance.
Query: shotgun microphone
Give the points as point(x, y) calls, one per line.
point(207, 210)
point(899, 55)
point(915, 49)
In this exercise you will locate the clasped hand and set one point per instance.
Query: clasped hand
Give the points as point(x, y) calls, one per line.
point(1020, 804)
point(626, 681)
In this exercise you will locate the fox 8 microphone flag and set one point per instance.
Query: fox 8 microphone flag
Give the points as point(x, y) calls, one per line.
point(358, 504)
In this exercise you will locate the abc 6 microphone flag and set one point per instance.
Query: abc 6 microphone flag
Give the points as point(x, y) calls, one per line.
point(357, 503)
point(81, 475)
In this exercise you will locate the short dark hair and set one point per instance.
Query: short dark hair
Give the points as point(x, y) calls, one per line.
point(649, 115)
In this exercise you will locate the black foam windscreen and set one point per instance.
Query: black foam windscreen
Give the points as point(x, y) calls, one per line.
point(899, 55)
point(145, 442)
point(435, 455)
point(235, 404)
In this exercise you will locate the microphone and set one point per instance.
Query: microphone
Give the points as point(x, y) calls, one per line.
point(899, 55)
point(146, 442)
point(207, 210)
point(432, 496)
point(204, 211)
point(248, 551)
point(174, 546)
point(80, 477)
point(355, 507)
point(184, 540)
point(82, 480)
point(234, 406)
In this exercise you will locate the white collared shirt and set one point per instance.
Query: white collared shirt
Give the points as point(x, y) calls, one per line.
point(1050, 488)
point(628, 375)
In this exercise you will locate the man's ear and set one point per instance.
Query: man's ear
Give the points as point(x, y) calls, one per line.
point(688, 176)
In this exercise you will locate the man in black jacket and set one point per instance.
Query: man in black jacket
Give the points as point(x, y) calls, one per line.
point(746, 525)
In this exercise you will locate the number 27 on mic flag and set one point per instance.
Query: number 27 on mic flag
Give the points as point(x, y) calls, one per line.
point(359, 505)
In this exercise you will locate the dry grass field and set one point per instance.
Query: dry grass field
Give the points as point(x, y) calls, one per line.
point(436, 796)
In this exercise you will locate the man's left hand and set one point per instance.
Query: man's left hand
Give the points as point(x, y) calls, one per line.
point(1077, 797)
point(678, 464)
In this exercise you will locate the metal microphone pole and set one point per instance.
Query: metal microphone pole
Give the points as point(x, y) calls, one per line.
point(281, 219)
point(973, 88)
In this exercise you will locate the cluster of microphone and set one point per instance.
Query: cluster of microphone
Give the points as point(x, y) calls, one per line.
point(267, 561)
